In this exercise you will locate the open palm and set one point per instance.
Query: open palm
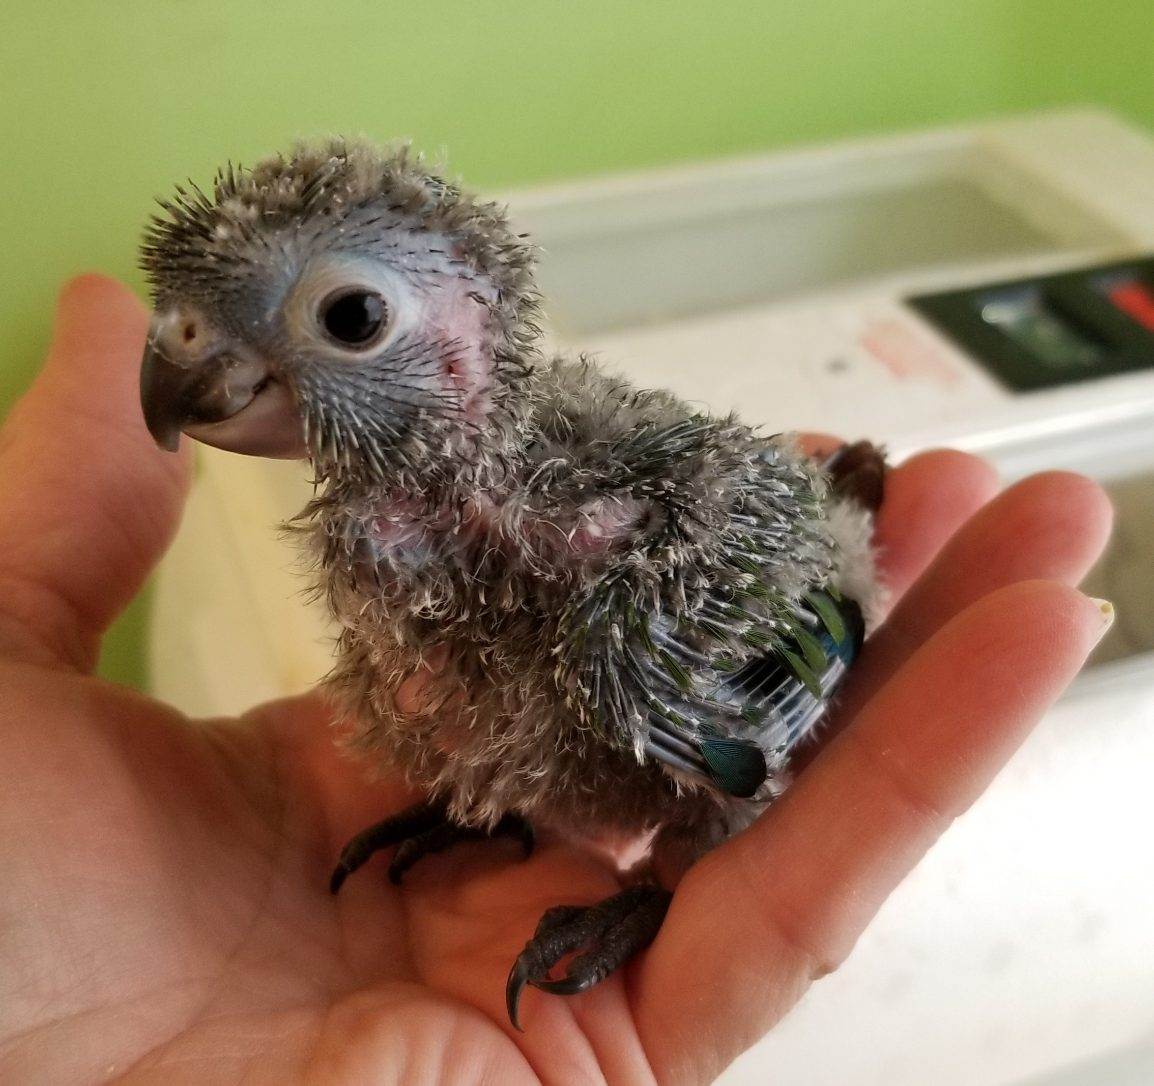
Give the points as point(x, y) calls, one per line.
point(164, 912)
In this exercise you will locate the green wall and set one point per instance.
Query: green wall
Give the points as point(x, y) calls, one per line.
point(105, 104)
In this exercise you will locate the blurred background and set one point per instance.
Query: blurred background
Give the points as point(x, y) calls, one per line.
point(105, 106)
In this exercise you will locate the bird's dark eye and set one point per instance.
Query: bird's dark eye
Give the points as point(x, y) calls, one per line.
point(354, 318)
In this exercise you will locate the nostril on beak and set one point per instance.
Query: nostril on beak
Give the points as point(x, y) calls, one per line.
point(186, 338)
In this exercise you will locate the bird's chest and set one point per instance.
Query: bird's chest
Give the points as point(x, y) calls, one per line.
point(450, 665)
point(399, 573)
point(485, 561)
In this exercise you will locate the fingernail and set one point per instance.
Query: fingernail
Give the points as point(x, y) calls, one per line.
point(1106, 609)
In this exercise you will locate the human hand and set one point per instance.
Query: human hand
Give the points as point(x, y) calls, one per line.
point(164, 910)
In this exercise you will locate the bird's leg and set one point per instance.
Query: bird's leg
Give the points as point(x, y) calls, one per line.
point(417, 832)
point(613, 930)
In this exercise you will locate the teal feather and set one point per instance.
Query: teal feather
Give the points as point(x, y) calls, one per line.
point(737, 766)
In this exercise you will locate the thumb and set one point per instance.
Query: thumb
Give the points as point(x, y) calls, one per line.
point(87, 502)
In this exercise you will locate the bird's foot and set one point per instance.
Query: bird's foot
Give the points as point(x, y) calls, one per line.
point(614, 930)
point(417, 832)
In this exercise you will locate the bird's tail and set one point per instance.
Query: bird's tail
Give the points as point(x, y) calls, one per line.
point(857, 472)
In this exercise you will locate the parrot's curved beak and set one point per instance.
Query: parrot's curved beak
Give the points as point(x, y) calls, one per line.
point(195, 382)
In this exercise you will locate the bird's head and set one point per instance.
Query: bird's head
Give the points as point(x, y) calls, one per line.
point(342, 304)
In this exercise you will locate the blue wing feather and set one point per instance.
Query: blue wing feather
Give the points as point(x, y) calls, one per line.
point(765, 706)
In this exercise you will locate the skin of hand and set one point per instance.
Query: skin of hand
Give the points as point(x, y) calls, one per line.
point(164, 911)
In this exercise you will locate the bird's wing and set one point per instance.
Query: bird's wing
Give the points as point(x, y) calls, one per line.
point(733, 736)
point(690, 645)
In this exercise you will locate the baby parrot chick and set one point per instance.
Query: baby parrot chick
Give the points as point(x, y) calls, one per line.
point(629, 612)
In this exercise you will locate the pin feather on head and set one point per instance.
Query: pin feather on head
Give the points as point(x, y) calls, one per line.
point(235, 257)
point(629, 612)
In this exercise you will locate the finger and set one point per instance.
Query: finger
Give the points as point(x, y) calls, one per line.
point(818, 446)
point(1052, 527)
point(87, 502)
point(796, 889)
point(927, 499)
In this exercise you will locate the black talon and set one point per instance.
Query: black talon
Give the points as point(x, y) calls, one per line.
point(425, 844)
point(554, 938)
point(567, 985)
point(614, 930)
point(410, 822)
point(418, 831)
point(514, 986)
point(337, 880)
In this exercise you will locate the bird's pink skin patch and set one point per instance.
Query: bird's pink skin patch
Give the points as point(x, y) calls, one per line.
point(400, 524)
point(593, 530)
point(598, 525)
point(456, 313)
